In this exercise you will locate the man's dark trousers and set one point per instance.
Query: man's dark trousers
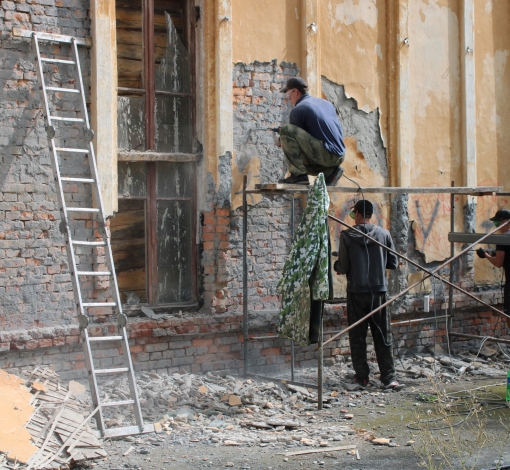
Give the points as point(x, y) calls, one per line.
point(358, 306)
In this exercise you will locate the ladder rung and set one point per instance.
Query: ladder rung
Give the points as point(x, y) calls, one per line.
point(100, 304)
point(60, 149)
point(118, 403)
point(112, 371)
point(82, 243)
point(94, 273)
point(81, 209)
point(58, 61)
point(64, 90)
point(105, 338)
point(61, 118)
point(77, 180)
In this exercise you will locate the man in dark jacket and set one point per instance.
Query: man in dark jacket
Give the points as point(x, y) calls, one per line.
point(313, 140)
point(500, 258)
point(365, 264)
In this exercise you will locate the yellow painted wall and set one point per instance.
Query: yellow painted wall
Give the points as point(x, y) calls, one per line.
point(353, 51)
point(492, 71)
point(435, 126)
point(264, 30)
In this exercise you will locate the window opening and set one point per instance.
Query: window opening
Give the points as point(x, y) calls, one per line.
point(156, 114)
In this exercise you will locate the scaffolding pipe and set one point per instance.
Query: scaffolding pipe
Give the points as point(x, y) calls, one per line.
point(292, 352)
point(452, 254)
point(320, 364)
point(429, 274)
point(486, 338)
point(245, 275)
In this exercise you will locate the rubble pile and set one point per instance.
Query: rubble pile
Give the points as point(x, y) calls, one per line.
point(246, 411)
point(484, 362)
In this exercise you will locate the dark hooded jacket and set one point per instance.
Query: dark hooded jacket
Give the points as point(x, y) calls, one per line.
point(365, 273)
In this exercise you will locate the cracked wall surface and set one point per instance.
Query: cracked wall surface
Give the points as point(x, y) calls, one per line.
point(359, 124)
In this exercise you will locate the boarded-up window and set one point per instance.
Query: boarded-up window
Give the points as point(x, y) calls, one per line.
point(153, 234)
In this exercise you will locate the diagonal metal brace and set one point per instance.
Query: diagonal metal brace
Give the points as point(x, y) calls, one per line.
point(429, 274)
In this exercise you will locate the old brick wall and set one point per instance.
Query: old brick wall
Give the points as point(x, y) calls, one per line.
point(35, 288)
point(258, 103)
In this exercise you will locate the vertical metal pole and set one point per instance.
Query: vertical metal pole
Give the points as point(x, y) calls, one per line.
point(452, 254)
point(292, 353)
point(320, 365)
point(245, 276)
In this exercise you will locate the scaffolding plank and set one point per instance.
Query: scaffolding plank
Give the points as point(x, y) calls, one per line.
point(479, 190)
point(458, 237)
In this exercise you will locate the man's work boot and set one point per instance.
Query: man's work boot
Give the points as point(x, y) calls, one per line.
point(295, 179)
point(333, 178)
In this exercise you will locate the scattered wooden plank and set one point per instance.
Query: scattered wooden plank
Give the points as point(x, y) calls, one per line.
point(316, 451)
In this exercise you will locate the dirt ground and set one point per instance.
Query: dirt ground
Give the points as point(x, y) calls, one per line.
point(387, 415)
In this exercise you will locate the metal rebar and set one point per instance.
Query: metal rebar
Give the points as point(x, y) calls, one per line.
point(245, 275)
point(292, 352)
point(429, 274)
point(403, 322)
point(418, 320)
point(487, 338)
point(259, 338)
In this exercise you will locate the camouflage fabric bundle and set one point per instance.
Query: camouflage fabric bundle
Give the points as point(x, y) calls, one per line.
point(306, 270)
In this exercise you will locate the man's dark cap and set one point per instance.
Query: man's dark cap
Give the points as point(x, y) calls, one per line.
point(296, 82)
point(502, 214)
point(366, 205)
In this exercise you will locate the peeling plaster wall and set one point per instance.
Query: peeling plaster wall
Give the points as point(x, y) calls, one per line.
point(353, 51)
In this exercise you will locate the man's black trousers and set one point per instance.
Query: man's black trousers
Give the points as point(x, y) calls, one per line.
point(358, 306)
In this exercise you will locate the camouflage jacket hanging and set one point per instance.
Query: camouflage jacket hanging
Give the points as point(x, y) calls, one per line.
point(305, 273)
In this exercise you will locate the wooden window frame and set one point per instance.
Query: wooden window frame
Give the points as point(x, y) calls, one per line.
point(150, 156)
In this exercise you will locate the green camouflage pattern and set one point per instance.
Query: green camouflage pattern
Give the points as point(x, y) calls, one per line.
point(305, 273)
point(306, 154)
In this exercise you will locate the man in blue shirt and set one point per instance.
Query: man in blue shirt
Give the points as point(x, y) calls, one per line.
point(313, 140)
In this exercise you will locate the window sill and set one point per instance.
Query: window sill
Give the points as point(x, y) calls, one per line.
point(136, 310)
point(133, 156)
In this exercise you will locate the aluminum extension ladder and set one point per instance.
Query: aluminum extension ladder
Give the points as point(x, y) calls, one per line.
point(98, 211)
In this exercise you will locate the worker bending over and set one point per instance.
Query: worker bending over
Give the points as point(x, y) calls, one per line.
point(501, 258)
point(313, 140)
point(365, 264)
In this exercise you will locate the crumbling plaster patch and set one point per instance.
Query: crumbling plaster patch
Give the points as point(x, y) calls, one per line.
point(363, 126)
point(219, 195)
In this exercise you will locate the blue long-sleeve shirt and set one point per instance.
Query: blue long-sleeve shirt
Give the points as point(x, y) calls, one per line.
point(318, 117)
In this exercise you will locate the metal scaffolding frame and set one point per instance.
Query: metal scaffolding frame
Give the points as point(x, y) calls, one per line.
point(281, 190)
